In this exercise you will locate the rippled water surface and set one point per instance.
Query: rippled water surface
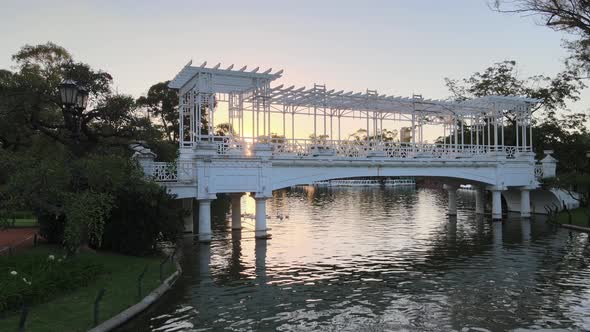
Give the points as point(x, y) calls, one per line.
point(355, 259)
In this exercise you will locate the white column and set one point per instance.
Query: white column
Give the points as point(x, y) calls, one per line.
point(525, 203)
point(452, 190)
point(204, 220)
point(496, 204)
point(260, 227)
point(236, 211)
point(479, 200)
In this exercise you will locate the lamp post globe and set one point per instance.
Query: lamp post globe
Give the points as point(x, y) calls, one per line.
point(68, 93)
point(81, 99)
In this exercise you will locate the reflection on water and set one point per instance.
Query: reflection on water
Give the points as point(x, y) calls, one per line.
point(378, 259)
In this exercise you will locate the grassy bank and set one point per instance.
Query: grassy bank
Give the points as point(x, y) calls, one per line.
point(579, 217)
point(72, 309)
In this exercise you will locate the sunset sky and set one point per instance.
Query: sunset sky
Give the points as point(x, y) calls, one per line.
point(395, 47)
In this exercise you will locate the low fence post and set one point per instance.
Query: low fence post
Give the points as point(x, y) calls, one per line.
point(23, 318)
point(162, 269)
point(139, 281)
point(97, 305)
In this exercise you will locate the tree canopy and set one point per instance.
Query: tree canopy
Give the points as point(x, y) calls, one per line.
point(68, 164)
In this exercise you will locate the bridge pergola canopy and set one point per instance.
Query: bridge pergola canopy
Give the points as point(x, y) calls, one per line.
point(250, 90)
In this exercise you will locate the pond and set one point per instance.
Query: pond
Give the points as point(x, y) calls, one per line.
point(378, 259)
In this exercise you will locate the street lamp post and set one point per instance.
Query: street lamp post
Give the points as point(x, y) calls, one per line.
point(73, 99)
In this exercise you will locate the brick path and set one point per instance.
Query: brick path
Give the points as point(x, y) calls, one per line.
point(17, 238)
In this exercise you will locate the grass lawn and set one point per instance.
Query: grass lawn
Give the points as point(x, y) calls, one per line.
point(579, 217)
point(73, 311)
point(25, 223)
point(21, 219)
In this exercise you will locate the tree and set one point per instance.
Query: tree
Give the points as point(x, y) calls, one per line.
point(556, 129)
point(224, 129)
point(162, 102)
point(572, 16)
point(504, 79)
point(29, 100)
point(65, 164)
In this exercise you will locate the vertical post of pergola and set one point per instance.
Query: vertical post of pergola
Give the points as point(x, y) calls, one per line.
point(324, 111)
point(211, 118)
point(516, 125)
point(413, 129)
point(197, 108)
point(456, 132)
point(339, 116)
point(257, 108)
point(502, 123)
point(331, 124)
point(489, 134)
point(241, 110)
point(462, 135)
point(293, 123)
point(471, 131)
point(495, 129)
point(524, 133)
point(315, 113)
point(254, 126)
point(267, 106)
point(367, 128)
point(285, 107)
point(530, 126)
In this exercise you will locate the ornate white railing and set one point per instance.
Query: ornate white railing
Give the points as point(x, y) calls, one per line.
point(226, 145)
point(171, 172)
point(538, 171)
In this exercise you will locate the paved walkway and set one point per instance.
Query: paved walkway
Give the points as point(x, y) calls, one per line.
point(17, 238)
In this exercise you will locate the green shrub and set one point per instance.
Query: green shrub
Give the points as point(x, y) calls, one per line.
point(51, 227)
point(144, 214)
point(39, 278)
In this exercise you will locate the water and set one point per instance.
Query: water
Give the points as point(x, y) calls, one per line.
point(354, 259)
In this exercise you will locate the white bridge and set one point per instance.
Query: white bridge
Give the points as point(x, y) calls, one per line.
point(258, 147)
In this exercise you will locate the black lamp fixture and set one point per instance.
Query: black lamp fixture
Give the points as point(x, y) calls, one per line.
point(68, 92)
point(81, 99)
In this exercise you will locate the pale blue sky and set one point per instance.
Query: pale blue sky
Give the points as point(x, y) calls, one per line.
point(395, 47)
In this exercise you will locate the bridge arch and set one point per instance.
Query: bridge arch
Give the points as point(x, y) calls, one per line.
point(284, 177)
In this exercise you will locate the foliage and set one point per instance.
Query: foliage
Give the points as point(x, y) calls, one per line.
point(29, 102)
point(383, 134)
point(161, 102)
point(563, 132)
point(566, 132)
point(572, 16)
point(504, 79)
point(38, 277)
point(52, 227)
point(144, 215)
point(225, 129)
point(67, 165)
point(86, 213)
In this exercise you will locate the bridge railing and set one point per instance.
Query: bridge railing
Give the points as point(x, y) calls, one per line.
point(361, 148)
point(227, 145)
point(171, 172)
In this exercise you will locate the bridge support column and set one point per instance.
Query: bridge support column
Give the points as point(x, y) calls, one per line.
point(496, 204)
point(479, 200)
point(205, 220)
point(236, 211)
point(452, 190)
point(525, 202)
point(260, 227)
